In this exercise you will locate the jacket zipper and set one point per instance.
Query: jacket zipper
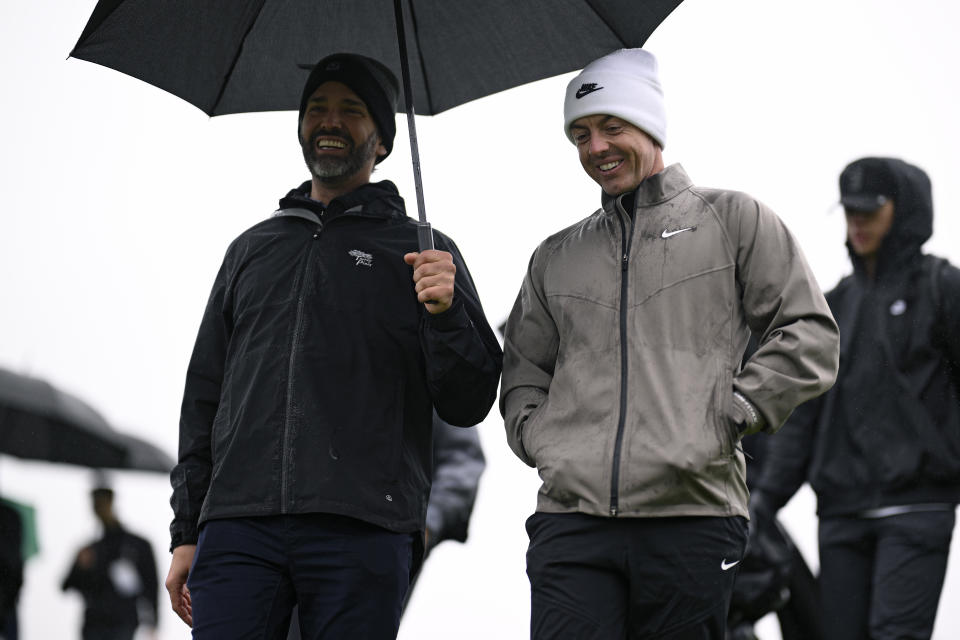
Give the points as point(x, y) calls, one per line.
point(285, 449)
point(626, 242)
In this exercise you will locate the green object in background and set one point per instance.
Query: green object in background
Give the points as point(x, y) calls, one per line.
point(30, 544)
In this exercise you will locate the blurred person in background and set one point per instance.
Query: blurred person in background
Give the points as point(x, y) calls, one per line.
point(774, 577)
point(458, 463)
point(117, 577)
point(11, 569)
point(881, 450)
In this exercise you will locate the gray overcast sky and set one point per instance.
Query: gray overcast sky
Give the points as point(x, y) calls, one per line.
point(119, 200)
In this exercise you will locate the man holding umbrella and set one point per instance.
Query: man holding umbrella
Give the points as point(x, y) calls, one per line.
point(623, 381)
point(305, 433)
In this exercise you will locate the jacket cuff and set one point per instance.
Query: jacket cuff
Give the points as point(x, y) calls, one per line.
point(752, 420)
point(181, 534)
point(453, 318)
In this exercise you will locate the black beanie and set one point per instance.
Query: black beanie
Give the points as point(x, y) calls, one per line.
point(372, 81)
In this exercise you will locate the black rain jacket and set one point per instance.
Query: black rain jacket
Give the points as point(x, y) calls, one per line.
point(316, 370)
point(888, 433)
point(106, 604)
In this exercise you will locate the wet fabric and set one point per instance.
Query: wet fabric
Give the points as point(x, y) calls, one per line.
point(623, 351)
point(316, 371)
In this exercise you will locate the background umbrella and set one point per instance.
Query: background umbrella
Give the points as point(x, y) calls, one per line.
point(41, 422)
point(231, 56)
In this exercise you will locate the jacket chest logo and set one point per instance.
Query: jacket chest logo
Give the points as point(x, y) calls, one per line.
point(898, 308)
point(362, 259)
point(667, 233)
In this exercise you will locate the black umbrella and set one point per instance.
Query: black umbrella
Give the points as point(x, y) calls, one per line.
point(40, 422)
point(233, 56)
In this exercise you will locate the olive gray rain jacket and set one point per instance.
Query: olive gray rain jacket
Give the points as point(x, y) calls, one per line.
point(623, 351)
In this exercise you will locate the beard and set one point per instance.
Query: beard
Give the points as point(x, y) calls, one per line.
point(333, 169)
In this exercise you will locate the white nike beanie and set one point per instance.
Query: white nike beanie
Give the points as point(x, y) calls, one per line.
point(623, 84)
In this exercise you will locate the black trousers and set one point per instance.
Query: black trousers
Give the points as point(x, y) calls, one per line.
point(800, 617)
point(880, 578)
point(617, 578)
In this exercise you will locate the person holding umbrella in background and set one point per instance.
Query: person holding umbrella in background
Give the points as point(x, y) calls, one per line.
point(326, 344)
point(622, 379)
point(881, 450)
point(116, 575)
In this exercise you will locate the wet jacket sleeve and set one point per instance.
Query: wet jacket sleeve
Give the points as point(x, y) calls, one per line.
point(799, 348)
point(190, 478)
point(458, 463)
point(531, 344)
point(463, 356)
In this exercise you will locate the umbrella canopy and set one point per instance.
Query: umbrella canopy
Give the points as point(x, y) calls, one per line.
point(232, 56)
point(41, 422)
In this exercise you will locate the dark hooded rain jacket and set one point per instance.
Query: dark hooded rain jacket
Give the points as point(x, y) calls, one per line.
point(888, 433)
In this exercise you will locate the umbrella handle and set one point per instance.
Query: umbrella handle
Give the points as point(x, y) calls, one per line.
point(424, 234)
point(425, 239)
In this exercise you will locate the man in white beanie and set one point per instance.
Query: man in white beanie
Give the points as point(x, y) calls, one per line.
point(623, 380)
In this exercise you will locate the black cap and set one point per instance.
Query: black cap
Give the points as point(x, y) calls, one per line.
point(371, 80)
point(867, 184)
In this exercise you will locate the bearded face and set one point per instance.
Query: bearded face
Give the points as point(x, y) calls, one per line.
point(332, 154)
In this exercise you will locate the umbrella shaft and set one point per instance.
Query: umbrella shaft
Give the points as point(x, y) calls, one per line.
point(426, 236)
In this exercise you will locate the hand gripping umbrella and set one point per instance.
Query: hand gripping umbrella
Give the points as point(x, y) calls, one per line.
point(234, 56)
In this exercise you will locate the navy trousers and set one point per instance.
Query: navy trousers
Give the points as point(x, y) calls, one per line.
point(595, 578)
point(348, 577)
point(880, 578)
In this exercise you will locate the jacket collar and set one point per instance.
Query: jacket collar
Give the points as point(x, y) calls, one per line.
point(374, 199)
point(656, 189)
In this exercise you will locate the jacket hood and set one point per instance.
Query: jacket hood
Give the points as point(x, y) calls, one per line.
point(378, 199)
point(912, 216)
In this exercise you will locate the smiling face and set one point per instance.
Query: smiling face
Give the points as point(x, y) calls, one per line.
point(616, 154)
point(339, 138)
